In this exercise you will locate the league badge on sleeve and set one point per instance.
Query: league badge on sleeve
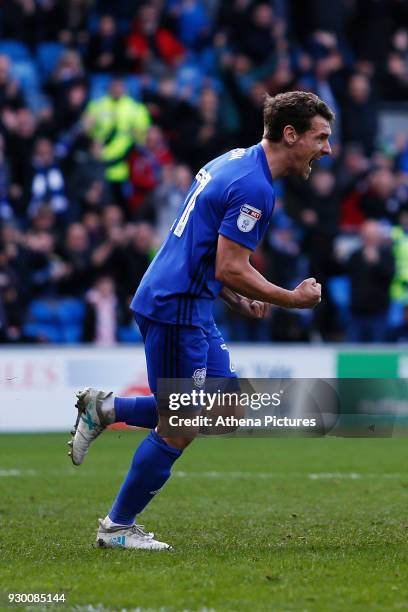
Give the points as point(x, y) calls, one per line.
point(248, 216)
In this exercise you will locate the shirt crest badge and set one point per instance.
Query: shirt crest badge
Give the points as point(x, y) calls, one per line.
point(248, 216)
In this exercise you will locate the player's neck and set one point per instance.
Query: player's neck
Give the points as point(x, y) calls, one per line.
point(277, 158)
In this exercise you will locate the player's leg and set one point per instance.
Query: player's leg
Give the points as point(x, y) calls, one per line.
point(97, 409)
point(171, 352)
point(220, 367)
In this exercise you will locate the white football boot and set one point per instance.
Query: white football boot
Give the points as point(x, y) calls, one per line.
point(95, 412)
point(121, 536)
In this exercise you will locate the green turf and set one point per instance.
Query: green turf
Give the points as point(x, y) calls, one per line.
point(256, 524)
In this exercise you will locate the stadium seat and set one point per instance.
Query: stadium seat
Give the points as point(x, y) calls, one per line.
point(70, 313)
point(133, 86)
point(15, 49)
point(189, 77)
point(48, 54)
point(340, 292)
point(26, 73)
point(42, 311)
point(99, 85)
point(43, 331)
point(129, 334)
point(60, 321)
point(396, 314)
point(42, 321)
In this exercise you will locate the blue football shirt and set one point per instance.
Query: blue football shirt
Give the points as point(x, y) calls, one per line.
point(233, 196)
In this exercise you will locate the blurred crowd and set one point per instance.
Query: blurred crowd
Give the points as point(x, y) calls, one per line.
point(107, 111)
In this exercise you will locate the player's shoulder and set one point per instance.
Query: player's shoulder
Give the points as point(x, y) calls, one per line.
point(241, 169)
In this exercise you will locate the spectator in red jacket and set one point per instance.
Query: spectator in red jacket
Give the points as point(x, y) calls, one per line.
point(145, 164)
point(149, 43)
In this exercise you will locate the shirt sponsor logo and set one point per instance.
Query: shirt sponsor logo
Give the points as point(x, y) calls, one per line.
point(248, 216)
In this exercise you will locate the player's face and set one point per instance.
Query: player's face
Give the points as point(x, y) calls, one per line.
point(311, 145)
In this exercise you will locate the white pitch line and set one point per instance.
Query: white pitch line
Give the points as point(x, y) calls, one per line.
point(214, 475)
point(335, 475)
point(14, 472)
point(270, 475)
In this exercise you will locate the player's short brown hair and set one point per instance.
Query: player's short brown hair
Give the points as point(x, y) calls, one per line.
point(294, 108)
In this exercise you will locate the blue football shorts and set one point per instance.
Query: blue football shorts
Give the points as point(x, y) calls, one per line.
point(179, 351)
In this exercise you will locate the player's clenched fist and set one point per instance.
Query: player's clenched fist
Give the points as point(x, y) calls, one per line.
point(308, 294)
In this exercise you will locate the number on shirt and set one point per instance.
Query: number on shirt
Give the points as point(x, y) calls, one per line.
point(203, 178)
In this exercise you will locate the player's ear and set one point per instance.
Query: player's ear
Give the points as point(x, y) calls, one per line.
point(290, 135)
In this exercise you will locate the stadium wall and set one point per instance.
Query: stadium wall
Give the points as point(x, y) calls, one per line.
point(37, 385)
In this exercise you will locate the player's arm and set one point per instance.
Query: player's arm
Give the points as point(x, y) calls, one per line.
point(245, 306)
point(234, 270)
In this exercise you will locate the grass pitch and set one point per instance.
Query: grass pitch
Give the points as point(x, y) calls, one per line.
point(256, 524)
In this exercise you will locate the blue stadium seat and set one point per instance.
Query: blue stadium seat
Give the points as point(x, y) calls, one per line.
point(189, 77)
point(51, 333)
point(15, 49)
point(42, 322)
point(339, 289)
point(26, 73)
point(71, 314)
point(60, 321)
point(43, 311)
point(71, 334)
point(70, 311)
point(129, 334)
point(133, 86)
point(396, 313)
point(99, 85)
point(48, 54)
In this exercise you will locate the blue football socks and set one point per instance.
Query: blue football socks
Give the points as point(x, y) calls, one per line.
point(138, 411)
point(149, 470)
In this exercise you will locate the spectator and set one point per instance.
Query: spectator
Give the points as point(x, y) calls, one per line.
point(117, 122)
point(138, 255)
point(105, 50)
point(320, 217)
point(47, 181)
point(45, 266)
point(205, 122)
point(257, 40)
point(359, 115)
point(371, 269)
point(5, 208)
point(11, 96)
point(145, 166)
point(20, 21)
point(399, 235)
point(101, 317)
point(192, 23)
point(379, 200)
point(20, 145)
point(11, 305)
point(166, 200)
point(69, 111)
point(68, 73)
point(74, 18)
point(150, 46)
point(87, 187)
point(76, 257)
point(167, 109)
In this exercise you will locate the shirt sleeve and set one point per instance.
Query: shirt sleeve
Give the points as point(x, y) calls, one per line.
point(246, 216)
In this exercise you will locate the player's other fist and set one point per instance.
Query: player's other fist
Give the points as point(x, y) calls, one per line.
point(308, 294)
